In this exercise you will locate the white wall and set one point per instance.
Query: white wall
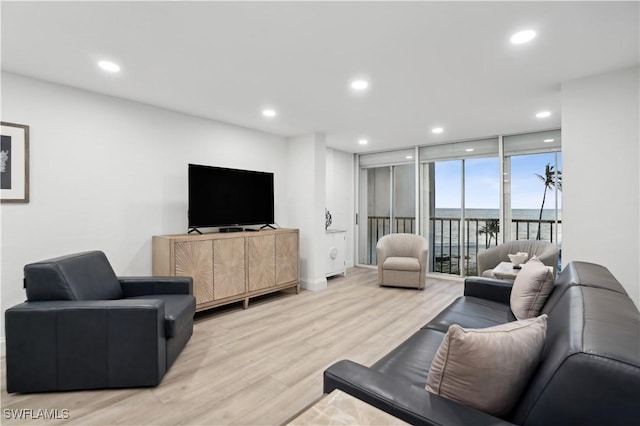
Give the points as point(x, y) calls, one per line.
point(306, 199)
point(108, 174)
point(340, 193)
point(600, 148)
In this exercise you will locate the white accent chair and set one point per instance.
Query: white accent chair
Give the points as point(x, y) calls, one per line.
point(488, 259)
point(402, 260)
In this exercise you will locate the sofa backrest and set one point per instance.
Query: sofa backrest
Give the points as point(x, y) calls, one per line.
point(590, 368)
point(80, 276)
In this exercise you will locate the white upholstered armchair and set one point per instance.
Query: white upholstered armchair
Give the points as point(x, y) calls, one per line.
point(402, 260)
point(487, 260)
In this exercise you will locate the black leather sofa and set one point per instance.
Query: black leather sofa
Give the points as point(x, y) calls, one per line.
point(589, 373)
point(84, 328)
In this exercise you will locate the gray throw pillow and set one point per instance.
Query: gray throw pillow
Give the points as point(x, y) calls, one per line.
point(488, 368)
point(531, 288)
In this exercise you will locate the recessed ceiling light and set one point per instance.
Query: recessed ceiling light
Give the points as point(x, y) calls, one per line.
point(469, 149)
point(437, 130)
point(109, 66)
point(548, 140)
point(543, 114)
point(269, 112)
point(359, 85)
point(523, 36)
point(409, 157)
point(363, 141)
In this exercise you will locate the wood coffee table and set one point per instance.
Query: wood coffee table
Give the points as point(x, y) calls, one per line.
point(506, 271)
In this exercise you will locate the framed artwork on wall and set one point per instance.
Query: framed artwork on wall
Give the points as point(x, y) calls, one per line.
point(14, 163)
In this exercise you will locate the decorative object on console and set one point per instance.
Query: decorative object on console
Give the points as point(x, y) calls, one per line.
point(487, 368)
point(518, 258)
point(14, 163)
point(327, 219)
point(531, 288)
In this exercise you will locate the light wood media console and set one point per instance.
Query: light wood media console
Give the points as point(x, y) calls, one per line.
point(229, 267)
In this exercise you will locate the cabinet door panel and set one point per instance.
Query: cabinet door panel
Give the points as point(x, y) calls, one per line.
point(262, 262)
point(286, 258)
point(228, 267)
point(195, 259)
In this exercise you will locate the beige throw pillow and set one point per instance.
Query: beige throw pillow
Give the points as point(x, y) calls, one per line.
point(531, 288)
point(488, 368)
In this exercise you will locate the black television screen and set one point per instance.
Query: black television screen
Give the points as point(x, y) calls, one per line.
point(227, 197)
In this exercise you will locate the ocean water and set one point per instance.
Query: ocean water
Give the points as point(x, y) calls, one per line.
point(532, 214)
point(446, 233)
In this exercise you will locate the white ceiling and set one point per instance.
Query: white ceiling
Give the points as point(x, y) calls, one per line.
point(429, 64)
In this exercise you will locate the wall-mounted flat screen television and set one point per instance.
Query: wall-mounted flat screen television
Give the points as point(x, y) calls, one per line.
point(221, 197)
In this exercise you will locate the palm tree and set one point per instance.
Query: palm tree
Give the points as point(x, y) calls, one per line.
point(491, 228)
point(551, 179)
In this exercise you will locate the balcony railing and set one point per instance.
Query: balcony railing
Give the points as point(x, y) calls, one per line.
point(445, 251)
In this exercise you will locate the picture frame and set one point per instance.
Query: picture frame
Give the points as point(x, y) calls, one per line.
point(14, 163)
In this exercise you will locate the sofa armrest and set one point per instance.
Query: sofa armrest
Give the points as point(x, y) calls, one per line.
point(488, 288)
point(146, 286)
point(66, 345)
point(407, 402)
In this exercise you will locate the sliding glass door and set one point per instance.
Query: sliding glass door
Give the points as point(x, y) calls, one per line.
point(473, 195)
point(387, 201)
point(462, 203)
point(533, 187)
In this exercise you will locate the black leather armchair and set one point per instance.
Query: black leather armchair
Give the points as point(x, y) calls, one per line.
point(84, 328)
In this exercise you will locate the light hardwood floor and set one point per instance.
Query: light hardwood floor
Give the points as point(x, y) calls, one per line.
point(262, 365)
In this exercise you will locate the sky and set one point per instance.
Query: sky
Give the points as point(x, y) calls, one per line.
point(482, 176)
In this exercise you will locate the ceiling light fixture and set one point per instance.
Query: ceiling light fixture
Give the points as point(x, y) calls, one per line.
point(363, 141)
point(269, 113)
point(109, 66)
point(409, 157)
point(469, 149)
point(543, 114)
point(359, 85)
point(548, 140)
point(523, 36)
point(437, 130)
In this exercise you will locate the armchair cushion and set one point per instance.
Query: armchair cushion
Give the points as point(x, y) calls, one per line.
point(401, 263)
point(178, 311)
point(81, 276)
